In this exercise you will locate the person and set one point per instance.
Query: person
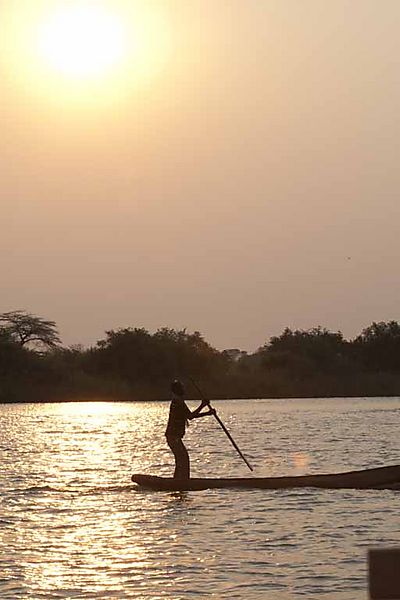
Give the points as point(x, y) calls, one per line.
point(179, 415)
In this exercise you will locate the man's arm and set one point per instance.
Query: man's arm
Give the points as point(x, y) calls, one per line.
point(197, 414)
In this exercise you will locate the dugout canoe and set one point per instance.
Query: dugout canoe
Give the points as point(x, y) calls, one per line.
point(381, 478)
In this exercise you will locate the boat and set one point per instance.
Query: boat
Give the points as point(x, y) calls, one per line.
point(381, 478)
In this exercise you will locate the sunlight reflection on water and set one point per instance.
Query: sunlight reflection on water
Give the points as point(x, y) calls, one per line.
point(72, 525)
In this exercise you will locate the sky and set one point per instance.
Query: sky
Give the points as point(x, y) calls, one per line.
point(236, 173)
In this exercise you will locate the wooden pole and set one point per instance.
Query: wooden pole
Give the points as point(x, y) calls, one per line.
point(234, 444)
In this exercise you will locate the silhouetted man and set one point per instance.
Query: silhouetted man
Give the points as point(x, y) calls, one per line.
point(179, 415)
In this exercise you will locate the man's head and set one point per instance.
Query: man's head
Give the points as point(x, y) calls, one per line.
point(177, 388)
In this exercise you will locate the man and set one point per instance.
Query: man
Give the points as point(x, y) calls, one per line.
point(179, 415)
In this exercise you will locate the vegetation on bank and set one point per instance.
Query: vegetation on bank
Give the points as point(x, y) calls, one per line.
point(134, 364)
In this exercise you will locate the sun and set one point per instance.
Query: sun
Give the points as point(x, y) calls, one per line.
point(82, 40)
point(84, 54)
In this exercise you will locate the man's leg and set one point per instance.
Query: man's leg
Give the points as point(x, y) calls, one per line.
point(182, 462)
point(182, 469)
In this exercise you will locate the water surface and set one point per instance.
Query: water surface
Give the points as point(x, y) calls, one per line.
point(73, 526)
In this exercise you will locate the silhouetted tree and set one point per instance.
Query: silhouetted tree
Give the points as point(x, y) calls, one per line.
point(305, 351)
point(135, 355)
point(13, 358)
point(25, 328)
point(132, 363)
point(378, 346)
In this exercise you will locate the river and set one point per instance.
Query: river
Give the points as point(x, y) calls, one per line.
point(72, 525)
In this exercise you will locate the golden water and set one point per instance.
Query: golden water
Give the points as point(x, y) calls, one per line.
point(73, 526)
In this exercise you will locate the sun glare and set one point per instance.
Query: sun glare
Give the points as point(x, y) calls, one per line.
point(82, 40)
point(83, 53)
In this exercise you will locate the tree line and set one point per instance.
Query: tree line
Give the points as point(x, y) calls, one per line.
point(133, 364)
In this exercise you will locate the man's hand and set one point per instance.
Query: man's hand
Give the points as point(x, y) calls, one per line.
point(212, 411)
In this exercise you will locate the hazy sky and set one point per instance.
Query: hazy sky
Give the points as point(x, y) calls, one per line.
point(248, 183)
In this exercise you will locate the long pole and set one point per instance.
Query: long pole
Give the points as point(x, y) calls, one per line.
point(234, 444)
